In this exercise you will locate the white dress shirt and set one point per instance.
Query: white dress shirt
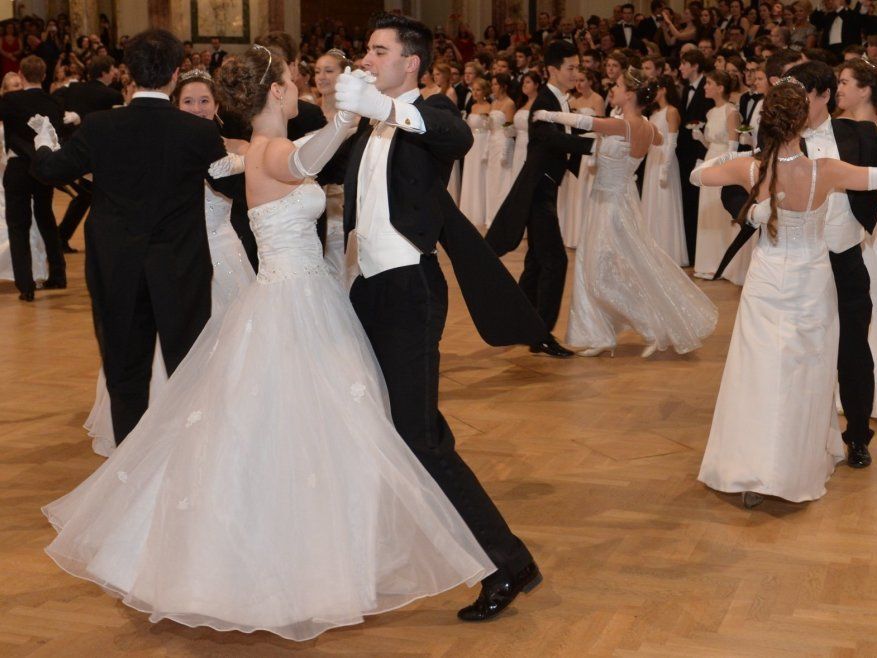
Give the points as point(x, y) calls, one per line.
point(842, 229)
point(380, 247)
point(836, 30)
point(692, 89)
point(564, 102)
point(150, 94)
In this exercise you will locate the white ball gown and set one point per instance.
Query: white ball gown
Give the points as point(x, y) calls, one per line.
point(266, 488)
point(662, 205)
point(231, 273)
point(715, 230)
point(473, 192)
point(622, 278)
point(572, 196)
point(498, 177)
point(522, 138)
point(775, 430)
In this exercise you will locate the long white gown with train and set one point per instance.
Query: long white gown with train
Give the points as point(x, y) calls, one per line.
point(473, 192)
point(231, 273)
point(500, 156)
point(266, 488)
point(622, 278)
point(572, 196)
point(775, 430)
point(521, 120)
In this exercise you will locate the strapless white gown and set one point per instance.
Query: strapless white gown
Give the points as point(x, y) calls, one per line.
point(774, 428)
point(266, 488)
point(231, 273)
point(473, 191)
point(498, 177)
point(622, 277)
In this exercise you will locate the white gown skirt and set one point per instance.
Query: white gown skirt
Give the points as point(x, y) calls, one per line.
point(623, 279)
point(231, 273)
point(774, 429)
point(266, 488)
point(715, 230)
point(662, 206)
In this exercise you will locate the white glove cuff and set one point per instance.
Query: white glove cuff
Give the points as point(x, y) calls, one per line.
point(872, 178)
point(310, 158)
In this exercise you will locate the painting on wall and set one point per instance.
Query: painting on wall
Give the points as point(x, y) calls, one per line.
point(227, 19)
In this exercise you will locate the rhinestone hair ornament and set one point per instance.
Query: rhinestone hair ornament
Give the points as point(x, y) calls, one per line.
point(630, 70)
point(868, 61)
point(195, 74)
point(789, 80)
point(337, 52)
point(270, 60)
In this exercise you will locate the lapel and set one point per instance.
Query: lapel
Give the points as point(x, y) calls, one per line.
point(847, 140)
point(351, 179)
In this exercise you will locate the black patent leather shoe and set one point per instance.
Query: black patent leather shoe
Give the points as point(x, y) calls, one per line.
point(858, 455)
point(550, 347)
point(27, 296)
point(54, 284)
point(499, 591)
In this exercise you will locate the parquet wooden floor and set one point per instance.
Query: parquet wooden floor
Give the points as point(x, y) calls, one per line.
point(593, 462)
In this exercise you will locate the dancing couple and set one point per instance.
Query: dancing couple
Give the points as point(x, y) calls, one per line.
point(295, 473)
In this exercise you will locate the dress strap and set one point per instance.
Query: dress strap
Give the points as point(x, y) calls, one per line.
point(627, 130)
point(752, 177)
point(812, 186)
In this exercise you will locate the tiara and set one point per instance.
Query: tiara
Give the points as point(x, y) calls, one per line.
point(200, 74)
point(630, 70)
point(868, 61)
point(270, 60)
point(337, 52)
point(789, 80)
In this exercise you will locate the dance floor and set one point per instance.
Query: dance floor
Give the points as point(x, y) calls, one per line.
point(593, 462)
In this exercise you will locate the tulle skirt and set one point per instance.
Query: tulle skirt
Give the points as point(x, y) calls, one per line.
point(266, 487)
point(623, 279)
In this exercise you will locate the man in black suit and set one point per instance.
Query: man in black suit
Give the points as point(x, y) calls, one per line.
point(396, 199)
point(625, 32)
point(689, 150)
point(309, 118)
point(649, 27)
point(849, 215)
point(217, 55)
point(148, 265)
point(532, 200)
point(839, 26)
point(23, 191)
point(81, 100)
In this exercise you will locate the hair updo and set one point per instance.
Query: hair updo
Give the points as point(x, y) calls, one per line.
point(244, 80)
point(864, 73)
point(783, 117)
point(721, 79)
point(191, 77)
point(646, 89)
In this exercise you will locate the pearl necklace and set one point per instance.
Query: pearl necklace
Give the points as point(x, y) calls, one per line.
point(791, 158)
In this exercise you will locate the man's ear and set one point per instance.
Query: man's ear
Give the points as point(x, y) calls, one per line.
point(413, 64)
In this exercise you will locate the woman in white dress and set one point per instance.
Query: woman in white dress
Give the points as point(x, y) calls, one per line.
point(662, 191)
point(774, 429)
point(232, 271)
point(473, 193)
point(530, 85)
point(501, 145)
point(572, 196)
point(39, 264)
point(326, 72)
point(714, 228)
point(266, 488)
point(622, 278)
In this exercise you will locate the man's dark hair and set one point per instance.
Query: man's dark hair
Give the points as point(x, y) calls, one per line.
point(708, 40)
point(557, 51)
point(819, 55)
point(280, 41)
point(525, 49)
point(415, 37)
point(736, 28)
point(597, 55)
point(152, 57)
point(774, 65)
point(694, 58)
point(656, 6)
point(816, 76)
point(628, 5)
point(100, 65)
point(33, 69)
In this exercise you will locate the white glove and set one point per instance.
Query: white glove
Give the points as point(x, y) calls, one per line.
point(697, 133)
point(745, 139)
point(45, 132)
point(663, 175)
point(358, 94)
point(580, 121)
point(508, 153)
point(717, 161)
point(510, 131)
point(71, 118)
point(308, 159)
point(759, 213)
point(733, 145)
point(230, 165)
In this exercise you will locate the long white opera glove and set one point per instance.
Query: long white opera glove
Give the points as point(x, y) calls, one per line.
point(45, 132)
point(580, 121)
point(510, 131)
point(307, 160)
point(355, 92)
point(733, 145)
point(872, 178)
point(669, 152)
point(230, 165)
point(697, 133)
point(759, 213)
point(72, 119)
point(695, 177)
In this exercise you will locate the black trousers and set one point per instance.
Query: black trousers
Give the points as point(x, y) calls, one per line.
point(29, 200)
point(403, 312)
point(855, 364)
point(690, 206)
point(544, 272)
point(79, 205)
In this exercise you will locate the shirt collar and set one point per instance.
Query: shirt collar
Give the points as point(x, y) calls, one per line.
point(824, 127)
point(151, 94)
point(560, 95)
point(409, 96)
point(696, 83)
